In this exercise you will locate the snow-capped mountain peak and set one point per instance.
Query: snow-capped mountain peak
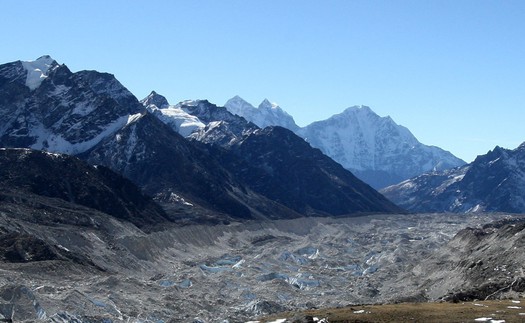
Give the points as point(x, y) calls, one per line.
point(359, 109)
point(362, 112)
point(266, 114)
point(38, 70)
point(189, 103)
point(375, 148)
point(155, 99)
point(266, 104)
point(238, 106)
point(175, 116)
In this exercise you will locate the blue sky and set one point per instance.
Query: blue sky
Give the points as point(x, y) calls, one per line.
point(453, 72)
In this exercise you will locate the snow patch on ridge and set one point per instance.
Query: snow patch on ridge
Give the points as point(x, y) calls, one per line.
point(178, 119)
point(46, 140)
point(133, 118)
point(37, 71)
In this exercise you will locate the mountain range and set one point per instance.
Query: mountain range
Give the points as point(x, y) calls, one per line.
point(115, 209)
point(374, 148)
point(492, 182)
point(191, 157)
point(421, 178)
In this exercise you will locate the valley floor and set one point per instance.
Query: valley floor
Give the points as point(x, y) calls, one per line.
point(236, 272)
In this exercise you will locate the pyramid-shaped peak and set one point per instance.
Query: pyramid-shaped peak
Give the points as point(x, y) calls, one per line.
point(155, 99)
point(237, 98)
point(46, 58)
point(266, 104)
point(238, 105)
point(238, 101)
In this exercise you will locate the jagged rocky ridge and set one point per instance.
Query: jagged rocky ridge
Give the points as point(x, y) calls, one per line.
point(374, 148)
point(492, 182)
point(283, 167)
point(91, 115)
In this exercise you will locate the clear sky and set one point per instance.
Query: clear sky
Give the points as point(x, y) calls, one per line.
point(453, 72)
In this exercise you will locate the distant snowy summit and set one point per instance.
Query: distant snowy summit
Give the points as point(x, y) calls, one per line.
point(173, 115)
point(265, 115)
point(374, 148)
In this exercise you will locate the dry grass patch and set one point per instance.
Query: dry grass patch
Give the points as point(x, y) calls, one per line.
point(507, 311)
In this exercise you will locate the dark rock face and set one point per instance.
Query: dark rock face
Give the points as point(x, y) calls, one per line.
point(24, 171)
point(68, 112)
point(222, 127)
point(492, 182)
point(281, 166)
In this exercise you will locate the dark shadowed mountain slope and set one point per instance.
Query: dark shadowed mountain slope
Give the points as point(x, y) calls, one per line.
point(91, 115)
point(283, 167)
point(492, 182)
point(174, 169)
point(26, 172)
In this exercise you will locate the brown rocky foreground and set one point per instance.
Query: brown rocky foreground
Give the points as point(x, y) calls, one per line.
point(508, 311)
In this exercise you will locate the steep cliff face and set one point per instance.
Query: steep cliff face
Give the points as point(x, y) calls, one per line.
point(169, 167)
